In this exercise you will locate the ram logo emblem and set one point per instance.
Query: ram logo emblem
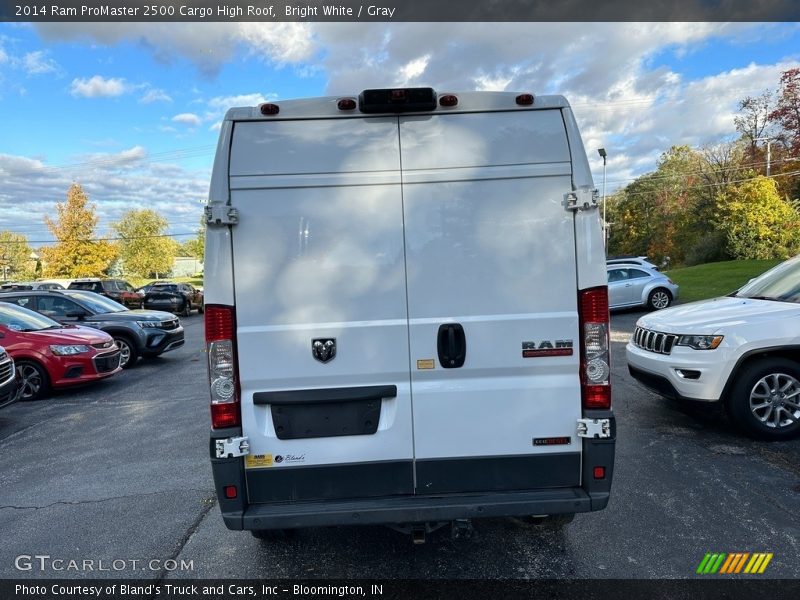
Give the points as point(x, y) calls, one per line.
point(323, 349)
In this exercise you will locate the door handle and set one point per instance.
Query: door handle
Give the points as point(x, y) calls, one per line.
point(452, 345)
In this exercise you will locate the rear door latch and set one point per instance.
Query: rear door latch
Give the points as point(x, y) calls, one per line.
point(594, 428)
point(233, 447)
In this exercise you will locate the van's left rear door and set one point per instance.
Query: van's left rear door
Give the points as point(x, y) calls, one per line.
point(322, 323)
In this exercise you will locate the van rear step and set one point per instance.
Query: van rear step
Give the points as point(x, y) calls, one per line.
point(414, 509)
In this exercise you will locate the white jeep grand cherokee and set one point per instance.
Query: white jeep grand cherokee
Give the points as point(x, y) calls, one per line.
point(742, 349)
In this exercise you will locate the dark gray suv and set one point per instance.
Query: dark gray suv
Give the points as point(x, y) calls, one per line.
point(137, 332)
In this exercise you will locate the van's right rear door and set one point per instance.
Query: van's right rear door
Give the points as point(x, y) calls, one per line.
point(492, 287)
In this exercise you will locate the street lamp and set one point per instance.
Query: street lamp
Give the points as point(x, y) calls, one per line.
point(602, 153)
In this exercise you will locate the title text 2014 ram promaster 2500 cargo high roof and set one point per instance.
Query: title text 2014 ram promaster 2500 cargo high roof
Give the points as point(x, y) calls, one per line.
point(406, 313)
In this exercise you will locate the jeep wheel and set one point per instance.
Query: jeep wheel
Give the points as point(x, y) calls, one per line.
point(659, 298)
point(127, 352)
point(765, 399)
point(34, 382)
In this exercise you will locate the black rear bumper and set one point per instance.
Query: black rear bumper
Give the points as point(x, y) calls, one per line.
point(591, 493)
point(414, 509)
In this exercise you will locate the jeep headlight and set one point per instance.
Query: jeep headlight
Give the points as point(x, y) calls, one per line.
point(700, 342)
point(68, 349)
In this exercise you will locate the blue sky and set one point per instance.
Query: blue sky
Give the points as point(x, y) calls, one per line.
point(131, 111)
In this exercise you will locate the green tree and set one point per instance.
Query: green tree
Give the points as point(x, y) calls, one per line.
point(757, 222)
point(196, 247)
point(653, 214)
point(76, 252)
point(144, 247)
point(15, 256)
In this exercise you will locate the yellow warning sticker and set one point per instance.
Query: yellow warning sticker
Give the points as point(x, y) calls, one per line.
point(427, 363)
point(255, 461)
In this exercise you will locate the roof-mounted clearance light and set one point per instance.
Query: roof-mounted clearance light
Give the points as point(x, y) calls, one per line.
point(270, 109)
point(525, 99)
point(448, 100)
point(346, 104)
point(399, 100)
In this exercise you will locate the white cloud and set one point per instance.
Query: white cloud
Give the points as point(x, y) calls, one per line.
point(38, 63)
point(187, 119)
point(115, 183)
point(413, 69)
point(155, 95)
point(223, 103)
point(280, 42)
point(98, 87)
point(208, 45)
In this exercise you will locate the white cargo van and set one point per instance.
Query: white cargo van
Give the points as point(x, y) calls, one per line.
point(406, 312)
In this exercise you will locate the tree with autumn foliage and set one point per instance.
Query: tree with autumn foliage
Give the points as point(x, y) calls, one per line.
point(758, 223)
point(15, 256)
point(787, 110)
point(144, 247)
point(77, 252)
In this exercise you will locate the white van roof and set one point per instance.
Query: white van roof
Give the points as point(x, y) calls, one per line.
point(326, 107)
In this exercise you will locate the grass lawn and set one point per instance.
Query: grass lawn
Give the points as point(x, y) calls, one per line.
point(716, 279)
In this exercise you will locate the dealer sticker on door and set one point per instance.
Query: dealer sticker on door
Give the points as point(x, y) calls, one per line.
point(255, 461)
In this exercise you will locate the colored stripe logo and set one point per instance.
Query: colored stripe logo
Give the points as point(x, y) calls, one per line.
point(734, 562)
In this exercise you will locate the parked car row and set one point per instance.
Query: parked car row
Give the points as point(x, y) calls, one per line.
point(68, 337)
point(178, 298)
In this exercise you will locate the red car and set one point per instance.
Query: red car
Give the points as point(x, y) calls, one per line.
point(48, 354)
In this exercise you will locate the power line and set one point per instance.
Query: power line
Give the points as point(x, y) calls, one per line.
point(791, 173)
point(708, 171)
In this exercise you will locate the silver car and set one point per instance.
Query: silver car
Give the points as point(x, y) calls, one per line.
point(634, 285)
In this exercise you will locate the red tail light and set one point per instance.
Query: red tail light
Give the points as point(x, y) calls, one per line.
point(222, 371)
point(595, 350)
point(219, 323)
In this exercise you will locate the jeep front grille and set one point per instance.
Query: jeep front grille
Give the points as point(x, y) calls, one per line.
point(6, 368)
point(654, 341)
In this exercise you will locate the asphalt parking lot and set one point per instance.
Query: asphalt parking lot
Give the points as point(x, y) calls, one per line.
point(120, 471)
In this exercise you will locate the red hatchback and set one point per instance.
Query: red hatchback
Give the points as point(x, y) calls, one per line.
point(51, 355)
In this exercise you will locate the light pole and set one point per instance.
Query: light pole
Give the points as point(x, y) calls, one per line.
point(769, 149)
point(602, 152)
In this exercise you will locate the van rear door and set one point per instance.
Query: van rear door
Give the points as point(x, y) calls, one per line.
point(491, 270)
point(322, 324)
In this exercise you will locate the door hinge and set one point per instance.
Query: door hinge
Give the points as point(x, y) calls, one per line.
point(232, 447)
point(221, 214)
point(594, 428)
point(582, 199)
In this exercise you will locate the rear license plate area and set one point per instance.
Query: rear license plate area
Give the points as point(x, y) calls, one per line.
point(325, 419)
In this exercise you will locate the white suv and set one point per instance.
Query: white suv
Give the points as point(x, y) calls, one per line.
point(742, 349)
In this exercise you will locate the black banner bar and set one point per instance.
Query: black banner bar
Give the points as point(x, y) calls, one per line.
point(749, 587)
point(397, 10)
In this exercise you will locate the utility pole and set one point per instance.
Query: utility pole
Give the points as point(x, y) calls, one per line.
point(769, 150)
